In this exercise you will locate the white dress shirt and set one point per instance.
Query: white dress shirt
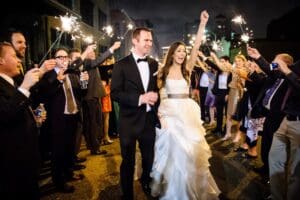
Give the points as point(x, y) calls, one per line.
point(223, 80)
point(57, 69)
point(204, 80)
point(143, 68)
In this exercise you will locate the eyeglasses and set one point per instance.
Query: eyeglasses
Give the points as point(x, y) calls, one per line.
point(62, 57)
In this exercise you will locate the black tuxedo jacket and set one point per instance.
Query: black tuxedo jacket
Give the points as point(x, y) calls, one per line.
point(266, 84)
point(253, 87)
point(18, 140)
point(95, 86)
point(126, 88)
point(215, 89)
point(52, 94)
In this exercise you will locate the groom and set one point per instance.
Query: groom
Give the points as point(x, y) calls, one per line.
point(134, 87)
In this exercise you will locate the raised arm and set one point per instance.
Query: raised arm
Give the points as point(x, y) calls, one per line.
point(90, 64)
point(200, 64)
point(261, 62)
point(291, 77)
point(222, 66)
point(203, 21)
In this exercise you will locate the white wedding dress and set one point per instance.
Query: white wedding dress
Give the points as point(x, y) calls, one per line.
point(181, 168)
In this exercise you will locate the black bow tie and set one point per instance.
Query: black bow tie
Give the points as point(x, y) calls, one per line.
point(141, 60)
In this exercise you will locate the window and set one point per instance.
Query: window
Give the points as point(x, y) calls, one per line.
point(102, 18)
point(86, 11)
point(65, 40)
point(67, 3)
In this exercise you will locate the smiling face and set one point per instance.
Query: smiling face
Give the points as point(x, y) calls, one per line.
point(240, 61)
point(62, 59)
point(19, 43)
point(179, 54)
point(143, 43)
point(9, 61)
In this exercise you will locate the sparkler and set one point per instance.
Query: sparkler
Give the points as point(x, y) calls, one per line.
point(88, 39)
point(216, 45)
point(130, 25)
point(245, 37)
point(246, 34)
point(211, 43)
point(49, 50)
point(125, 13)
point(240, 21)
point(108, 30)
point(69, 24)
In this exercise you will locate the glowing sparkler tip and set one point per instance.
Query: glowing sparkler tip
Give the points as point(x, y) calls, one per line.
point(130, 26)
point(238, 20)
point(108, 29)
point(88, 39)
point(69, 23)
point(245, 38)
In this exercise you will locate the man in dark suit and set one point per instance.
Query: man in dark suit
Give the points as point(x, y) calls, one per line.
point(91, 105)
point(18, 41)
point(63, 103)
point(268, 103)
point(134, 87)
point(220, 90)
point(19, 136)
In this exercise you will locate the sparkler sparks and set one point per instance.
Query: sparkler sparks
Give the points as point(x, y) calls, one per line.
point(246, 34)
point(210, 40)
point(88, 39)
point(239, 20)
point(216, 45)
point(245, 37)
point(108, 30)
point(130, 26)
point(69, 23)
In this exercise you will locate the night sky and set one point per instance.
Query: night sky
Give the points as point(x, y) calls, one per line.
point(169, 16)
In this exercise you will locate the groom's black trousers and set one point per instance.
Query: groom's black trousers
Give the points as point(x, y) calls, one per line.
point(146, 141)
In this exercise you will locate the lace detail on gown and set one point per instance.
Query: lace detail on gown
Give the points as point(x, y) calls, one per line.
point(181, 168)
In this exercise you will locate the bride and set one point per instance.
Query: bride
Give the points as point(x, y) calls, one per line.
point(181, 168)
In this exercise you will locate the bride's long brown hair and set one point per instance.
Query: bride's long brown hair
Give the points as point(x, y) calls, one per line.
point(164, 71)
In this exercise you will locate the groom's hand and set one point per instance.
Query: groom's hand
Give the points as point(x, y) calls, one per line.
point(149, 98)
point(153, 96)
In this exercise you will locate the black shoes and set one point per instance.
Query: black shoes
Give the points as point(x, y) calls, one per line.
point(75, 177)
point(98, 152)
point(146, 188)
point(78, 167)
point(124, 197)
point(79, 160)
point(65, 188)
